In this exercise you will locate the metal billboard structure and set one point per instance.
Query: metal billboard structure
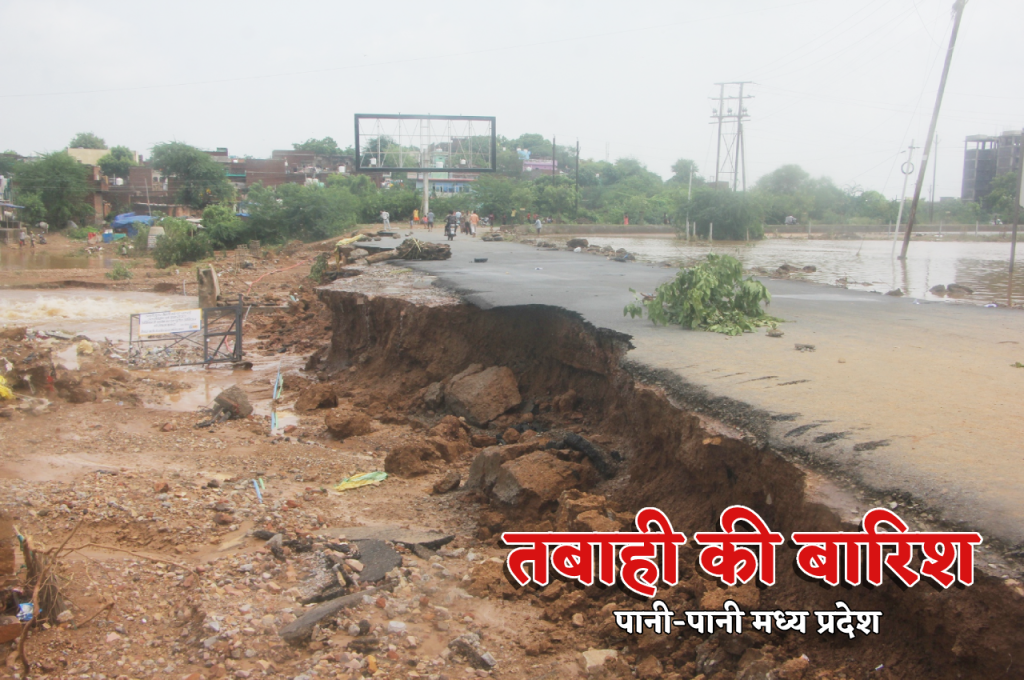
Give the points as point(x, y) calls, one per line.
point(411, 143)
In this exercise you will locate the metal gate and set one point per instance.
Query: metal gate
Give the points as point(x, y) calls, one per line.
point(220, 339)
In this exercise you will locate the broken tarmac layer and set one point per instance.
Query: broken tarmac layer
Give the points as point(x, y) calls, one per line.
point(914, 402)
point(397, 347)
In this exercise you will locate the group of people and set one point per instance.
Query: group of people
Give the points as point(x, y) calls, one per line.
point(31, 238)
point(467, 221)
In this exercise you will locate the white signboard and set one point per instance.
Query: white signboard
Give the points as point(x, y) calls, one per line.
point(161, 323)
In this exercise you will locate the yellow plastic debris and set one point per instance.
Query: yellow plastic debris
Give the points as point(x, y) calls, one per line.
point(5, 391)
point(85, 347)
point(362, 479)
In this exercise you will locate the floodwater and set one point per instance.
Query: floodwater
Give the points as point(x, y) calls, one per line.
point(96, 313)
point(20, 259)
point(866, 265)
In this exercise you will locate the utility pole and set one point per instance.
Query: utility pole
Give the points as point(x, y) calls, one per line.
point(577, 193)
point(907, 169)
point(958, 9)
point(689, 194)
point(1013, 239)
point(553, 161)
point(730, 153)
point(935, 171)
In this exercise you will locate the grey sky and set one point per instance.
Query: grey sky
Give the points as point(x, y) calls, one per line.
point(840, 87)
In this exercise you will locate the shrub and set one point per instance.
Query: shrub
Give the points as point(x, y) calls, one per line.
point(712, 296)
point(119, 273)
point(180, 244)
point(79, 233)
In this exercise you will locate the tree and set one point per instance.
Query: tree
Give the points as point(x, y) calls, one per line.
point(999, 200)
point(223, 227)
point(62, 185)
point(681, 173)
point(202, 181)
point(321, 147)
point(118, 162)
point(9, 161)
point(788, 179)
point(293, 211)
point(87, 140)
point(735, 215)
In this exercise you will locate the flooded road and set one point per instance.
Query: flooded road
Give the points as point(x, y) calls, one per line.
point(866, 265)
point(98, 313)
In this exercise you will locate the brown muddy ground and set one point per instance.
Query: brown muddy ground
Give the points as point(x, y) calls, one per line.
point(166, 579)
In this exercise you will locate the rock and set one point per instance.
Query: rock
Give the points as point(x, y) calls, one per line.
point(232, 401)
point(316, 396)
point(344, 423)
point(601, 459)
point(577, 243)
point(573, 503)
point(161, 487)
point(432, 540)
point(536, 478)
point(593, 659)
point(299, 630)
point(410, 460)
point(794, 669)
point(10, 628)
point(937, 290)
point(396, 627)
point(482, 441)
point(810, 269)
point(958, 289)
point(649, 669)
point(468, 647)
point(450, 482)
point(510, 436)
point(378, 559)
point(112, 637)
point(896, 292)
point(433, 396)
point(565, 403)
point(483, 396)
point(484, 470)
point(592, 520)
point(168, 427)
point(450, 438)
point(223, 519)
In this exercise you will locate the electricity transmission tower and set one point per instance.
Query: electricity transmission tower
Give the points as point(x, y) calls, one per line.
point(730, 159)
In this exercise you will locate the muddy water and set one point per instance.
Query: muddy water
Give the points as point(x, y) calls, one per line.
point(92, 312)
point(867, 265)
point(19, 259)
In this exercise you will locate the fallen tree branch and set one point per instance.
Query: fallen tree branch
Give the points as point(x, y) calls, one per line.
point(135, 554)
point(107, 607)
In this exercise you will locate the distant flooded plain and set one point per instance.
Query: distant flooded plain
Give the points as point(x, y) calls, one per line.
point(864, 264)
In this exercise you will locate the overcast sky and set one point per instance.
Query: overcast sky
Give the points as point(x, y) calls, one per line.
point(839, 87)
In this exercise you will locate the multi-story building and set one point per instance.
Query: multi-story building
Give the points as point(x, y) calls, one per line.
point(985, 158)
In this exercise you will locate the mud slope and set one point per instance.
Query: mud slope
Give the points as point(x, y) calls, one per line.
point(686, 465)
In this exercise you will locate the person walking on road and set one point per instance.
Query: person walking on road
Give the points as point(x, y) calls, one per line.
point(538, 225)
point(474, 221)
point(386, 216)
point(430, 221)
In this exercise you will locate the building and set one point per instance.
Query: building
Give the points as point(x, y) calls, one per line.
point(92, 156)
point(540, 165)
point(985, 158)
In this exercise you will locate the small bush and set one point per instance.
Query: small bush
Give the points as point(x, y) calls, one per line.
point(319, 268)
point(79, 233)
point(712, 296)
point(119, 273)
point(180, 245)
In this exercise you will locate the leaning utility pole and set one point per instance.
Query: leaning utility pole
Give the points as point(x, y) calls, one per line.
point(730, 154)
point(1013, 239)
point(935, 171)
point(958, 10)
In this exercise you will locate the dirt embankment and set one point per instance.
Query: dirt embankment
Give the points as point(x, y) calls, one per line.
point(690, 467)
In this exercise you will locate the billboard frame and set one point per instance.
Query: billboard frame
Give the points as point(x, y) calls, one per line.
point(404, 116)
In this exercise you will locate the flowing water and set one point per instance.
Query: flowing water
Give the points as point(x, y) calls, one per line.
point(96, 313)
point(19, 259)
point(866, 265)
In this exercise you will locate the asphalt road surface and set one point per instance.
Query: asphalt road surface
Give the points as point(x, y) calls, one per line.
point(900, 395)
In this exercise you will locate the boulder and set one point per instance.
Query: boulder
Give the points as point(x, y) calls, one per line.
point(316, 396)
point(958, 289)
point(484, 470)
point(937, 290)
point(577, 243)
point(344, 423)
point(433, 396)
point(593, 660)
point(450, 438)
point(482, 441)
point(572, 504)
point(536, 479)
point(234, 402)
point(450, 482)
point(483, 396)
point(410, 460)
